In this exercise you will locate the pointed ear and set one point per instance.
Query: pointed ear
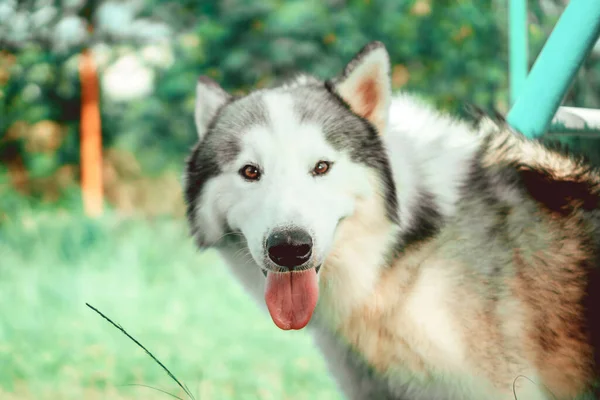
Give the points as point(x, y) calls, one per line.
point(210, 97)
point(366, 86)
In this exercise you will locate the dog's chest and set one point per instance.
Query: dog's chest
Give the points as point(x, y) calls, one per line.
point(411, 332)
point(417, 329)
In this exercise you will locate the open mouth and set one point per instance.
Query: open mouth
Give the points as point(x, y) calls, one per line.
point(291, 297)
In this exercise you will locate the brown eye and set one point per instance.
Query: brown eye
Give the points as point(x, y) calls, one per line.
point(321, 168)
point(250, 172)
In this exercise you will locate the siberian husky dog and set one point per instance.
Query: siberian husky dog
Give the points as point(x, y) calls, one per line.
point(431, 257)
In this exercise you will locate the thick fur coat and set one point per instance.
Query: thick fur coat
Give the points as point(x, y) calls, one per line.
point(446, 259)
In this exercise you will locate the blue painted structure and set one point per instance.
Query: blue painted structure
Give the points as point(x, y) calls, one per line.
point(518, 48)
point(538, 99)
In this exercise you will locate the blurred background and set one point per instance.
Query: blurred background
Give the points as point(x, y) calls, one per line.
point(134, 64)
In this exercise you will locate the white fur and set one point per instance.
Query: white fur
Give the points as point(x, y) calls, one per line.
point(422, 154)
point(286, 151)
point(428, 311)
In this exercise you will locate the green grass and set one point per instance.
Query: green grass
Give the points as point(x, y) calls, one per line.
point(181, 304)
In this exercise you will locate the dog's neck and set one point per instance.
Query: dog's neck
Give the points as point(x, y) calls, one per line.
point(431, 155)
point(360, 252)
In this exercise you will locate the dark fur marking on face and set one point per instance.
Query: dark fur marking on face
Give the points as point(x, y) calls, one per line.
point(235, 118)
point(346, 131)
point(427, 220)
point(368, 149)
point(200, 167)
point(330, 87)
point(219, 146)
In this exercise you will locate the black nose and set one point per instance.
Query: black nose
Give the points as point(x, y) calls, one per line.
point(289, 248)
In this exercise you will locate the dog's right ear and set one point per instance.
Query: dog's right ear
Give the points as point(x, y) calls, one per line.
point(210, 97)
point(365, 85)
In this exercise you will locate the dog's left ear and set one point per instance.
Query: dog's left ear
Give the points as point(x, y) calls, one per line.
point(365, 85)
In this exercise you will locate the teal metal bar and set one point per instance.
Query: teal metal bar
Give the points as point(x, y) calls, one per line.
point(571, 40)
point(517, 45)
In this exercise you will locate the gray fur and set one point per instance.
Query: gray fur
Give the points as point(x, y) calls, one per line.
point(353, 376)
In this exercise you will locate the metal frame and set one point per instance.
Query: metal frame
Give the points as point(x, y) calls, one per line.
point(537, 98)
point(517, 37)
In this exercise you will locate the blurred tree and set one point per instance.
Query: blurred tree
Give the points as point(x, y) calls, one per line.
point(40, 51)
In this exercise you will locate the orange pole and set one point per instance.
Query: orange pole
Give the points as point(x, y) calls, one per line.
point(91, 137)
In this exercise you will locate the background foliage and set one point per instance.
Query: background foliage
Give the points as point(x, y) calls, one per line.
point(450, 51)
point(144, 272)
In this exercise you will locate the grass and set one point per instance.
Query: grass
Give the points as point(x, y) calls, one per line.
point(145, 275)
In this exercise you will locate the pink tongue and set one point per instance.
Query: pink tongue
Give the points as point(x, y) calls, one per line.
point(291, 298)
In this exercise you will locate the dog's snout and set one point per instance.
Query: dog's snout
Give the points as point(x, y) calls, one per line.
point(289, 248)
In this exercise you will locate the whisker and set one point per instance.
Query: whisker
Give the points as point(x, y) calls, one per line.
point(243, 252)
point(228, 234)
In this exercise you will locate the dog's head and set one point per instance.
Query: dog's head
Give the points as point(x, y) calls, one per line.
point(282, 167)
